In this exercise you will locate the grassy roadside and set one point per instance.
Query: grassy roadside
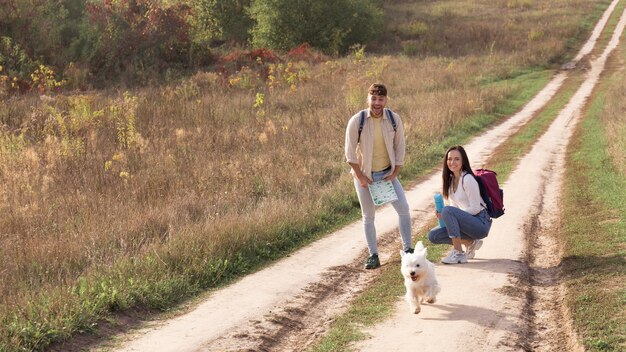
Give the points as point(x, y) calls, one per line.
point(594, 233)
point(508, 154)
point(594, 229)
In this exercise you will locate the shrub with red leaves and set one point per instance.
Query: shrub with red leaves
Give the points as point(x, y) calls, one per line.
point(255, 59)
point(12, 86)
point(304, 52)
point(238, 59)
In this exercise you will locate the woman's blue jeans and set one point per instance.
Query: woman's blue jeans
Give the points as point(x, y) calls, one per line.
point(460, 223)
point(368, 211)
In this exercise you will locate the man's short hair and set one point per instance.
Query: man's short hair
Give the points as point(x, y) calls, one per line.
point(377, 89)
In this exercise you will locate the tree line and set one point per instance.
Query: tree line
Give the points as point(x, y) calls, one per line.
point(48, 43)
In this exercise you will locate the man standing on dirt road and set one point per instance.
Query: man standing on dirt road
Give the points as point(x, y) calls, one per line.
point(375, 150)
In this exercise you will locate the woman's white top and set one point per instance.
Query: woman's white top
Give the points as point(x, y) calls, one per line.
point(467, 196)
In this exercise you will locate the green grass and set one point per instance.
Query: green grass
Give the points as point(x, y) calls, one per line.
point(585, 28)
point(606, 35)
point(594, 234)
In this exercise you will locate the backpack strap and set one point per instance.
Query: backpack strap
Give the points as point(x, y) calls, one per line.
point(480, 190)
point(392, 119)
point(362, 122)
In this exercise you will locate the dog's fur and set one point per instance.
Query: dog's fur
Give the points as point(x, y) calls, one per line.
point(419, 278)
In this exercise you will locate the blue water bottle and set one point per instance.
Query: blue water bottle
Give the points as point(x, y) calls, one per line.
point(439, 206)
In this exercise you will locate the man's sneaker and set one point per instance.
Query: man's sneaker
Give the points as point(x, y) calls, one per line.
point(472, 248)
point(409, 250)
point(455, 257)
point(372, 262)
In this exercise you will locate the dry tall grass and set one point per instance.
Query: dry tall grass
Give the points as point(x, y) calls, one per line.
point(106, 194)
point(538, 31)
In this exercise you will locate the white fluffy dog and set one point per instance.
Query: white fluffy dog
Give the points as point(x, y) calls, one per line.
point(419, 278)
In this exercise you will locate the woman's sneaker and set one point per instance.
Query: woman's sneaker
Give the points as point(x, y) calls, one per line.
point(372, 262)
point(455, 257)
point(472, 248)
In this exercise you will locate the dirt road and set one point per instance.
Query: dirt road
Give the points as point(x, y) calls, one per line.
point(496, 302)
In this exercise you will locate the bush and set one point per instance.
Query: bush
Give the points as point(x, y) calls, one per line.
point(217, 21)
point(14, 59)
point(137, 36)
point(329, 25)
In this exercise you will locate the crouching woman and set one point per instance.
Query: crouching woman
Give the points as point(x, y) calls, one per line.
point(466, 218)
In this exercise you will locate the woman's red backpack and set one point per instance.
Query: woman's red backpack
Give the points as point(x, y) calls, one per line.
point(490, 191)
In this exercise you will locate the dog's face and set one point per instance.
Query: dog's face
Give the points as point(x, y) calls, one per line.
point(415, 265)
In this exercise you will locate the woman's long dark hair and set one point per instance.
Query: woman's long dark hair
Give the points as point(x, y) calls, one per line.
point(447, 175)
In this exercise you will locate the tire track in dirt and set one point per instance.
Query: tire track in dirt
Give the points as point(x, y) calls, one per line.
point(290, 304)
point(299, 322)
point(548, 323)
